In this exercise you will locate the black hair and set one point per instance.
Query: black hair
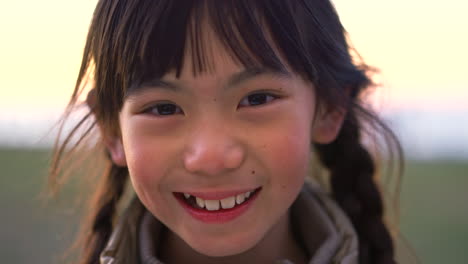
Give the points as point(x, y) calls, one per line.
point(131, 41)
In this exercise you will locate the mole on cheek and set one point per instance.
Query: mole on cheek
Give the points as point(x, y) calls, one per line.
point(253, 172)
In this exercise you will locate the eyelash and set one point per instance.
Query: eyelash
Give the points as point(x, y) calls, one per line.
point(266, 97)
point(163, 107)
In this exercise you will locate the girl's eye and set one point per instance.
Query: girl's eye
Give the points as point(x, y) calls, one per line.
point(257, 99)
point(163, 109)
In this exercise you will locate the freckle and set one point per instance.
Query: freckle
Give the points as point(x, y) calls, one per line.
point(214, 99)
point(283, 186)
point(253, 172)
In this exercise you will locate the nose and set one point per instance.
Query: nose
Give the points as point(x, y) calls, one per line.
point(212, 150)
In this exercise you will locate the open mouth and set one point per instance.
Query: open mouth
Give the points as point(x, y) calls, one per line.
point(217, 206)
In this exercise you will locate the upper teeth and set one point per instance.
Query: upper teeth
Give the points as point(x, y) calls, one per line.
point(226, 203)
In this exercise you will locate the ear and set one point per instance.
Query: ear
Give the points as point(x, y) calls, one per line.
point(327, 125)
point(117, 153)
point(114, 144)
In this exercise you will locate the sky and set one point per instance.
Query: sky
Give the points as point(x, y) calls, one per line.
point(418, 45)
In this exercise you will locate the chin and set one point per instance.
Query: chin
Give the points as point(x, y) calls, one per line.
point(224, 247)
point(222, 251)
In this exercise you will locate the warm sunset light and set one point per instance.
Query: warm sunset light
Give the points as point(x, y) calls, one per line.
point(207, 176)
point(419, 47)
point(40, 51)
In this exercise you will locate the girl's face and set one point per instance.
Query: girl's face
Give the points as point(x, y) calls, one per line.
point(217, 136)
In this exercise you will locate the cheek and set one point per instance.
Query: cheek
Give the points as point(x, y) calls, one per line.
point(290, 158)
point(143, 150)
point(141, 167)
point(147, 168)
point(290, 144)
point(287, 157)
point(288, 153)
point(148, 173)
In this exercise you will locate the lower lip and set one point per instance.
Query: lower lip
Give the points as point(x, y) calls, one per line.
point(219, 216)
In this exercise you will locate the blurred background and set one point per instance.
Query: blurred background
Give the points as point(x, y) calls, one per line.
point(419, 47)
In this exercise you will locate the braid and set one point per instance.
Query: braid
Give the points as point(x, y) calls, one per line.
point(106, 200)
point(351, 178)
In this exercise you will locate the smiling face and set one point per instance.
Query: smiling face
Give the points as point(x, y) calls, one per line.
point(217, 135)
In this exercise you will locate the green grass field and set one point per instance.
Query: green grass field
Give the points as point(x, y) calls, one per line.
point(434, 211)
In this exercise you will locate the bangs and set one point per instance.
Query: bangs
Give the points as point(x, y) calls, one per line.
point(156, 39)
point(135, 41)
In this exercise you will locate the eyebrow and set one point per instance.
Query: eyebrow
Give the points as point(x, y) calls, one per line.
point(234, 80)
point(254, 72)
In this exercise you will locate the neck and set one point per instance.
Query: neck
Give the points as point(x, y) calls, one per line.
point(279, 243)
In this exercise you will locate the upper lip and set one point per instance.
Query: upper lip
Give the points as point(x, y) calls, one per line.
point(218, 195)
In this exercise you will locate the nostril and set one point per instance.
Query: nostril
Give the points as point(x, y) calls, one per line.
point(234, 158)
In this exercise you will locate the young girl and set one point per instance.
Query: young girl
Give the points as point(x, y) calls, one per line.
point(213, 110)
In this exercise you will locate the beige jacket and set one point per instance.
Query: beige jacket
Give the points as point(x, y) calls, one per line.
point(331, 240)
